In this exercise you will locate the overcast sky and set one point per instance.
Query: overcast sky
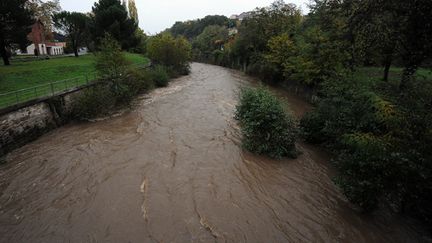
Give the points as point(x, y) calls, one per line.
point(157, 15)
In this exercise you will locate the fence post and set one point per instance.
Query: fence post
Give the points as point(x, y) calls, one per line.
point(52, 89)
point(35, 92)
point(87, 81)
point(65, 84)
point(17, 99)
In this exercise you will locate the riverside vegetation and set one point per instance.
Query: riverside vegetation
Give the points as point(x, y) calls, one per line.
point(267, 128)
point(379, 126)
point(119, 82)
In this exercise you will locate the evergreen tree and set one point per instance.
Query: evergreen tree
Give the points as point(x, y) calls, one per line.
point(110, 16)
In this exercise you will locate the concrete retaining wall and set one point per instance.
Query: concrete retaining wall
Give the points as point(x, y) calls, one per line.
point(25, 122)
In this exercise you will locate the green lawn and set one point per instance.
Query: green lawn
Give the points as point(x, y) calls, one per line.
point(375, 74)
point(35, 76)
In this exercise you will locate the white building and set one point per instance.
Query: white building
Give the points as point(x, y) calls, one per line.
point(51, 49)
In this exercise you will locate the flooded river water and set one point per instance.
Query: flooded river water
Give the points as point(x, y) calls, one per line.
point(172, 170)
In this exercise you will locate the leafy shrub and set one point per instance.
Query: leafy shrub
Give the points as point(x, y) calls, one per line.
point(175, 53)
point(120, 92)
point(117, 84)
point(346, 108)
point(160, 76)
point(139, 80)
point(382, 142)
point(111, 62)
point(266, 127)
point(367, 171)
point(93, 101)
point(312, 126)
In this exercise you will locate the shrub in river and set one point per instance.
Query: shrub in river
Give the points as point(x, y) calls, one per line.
point(267, 128)
point(160, 76)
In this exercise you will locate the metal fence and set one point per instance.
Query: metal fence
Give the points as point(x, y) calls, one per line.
point(50, 89)
point(44, 90)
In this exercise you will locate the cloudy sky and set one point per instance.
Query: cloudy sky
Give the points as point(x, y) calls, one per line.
point(157, 15)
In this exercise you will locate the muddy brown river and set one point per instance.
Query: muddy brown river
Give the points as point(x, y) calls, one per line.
point(172, 170)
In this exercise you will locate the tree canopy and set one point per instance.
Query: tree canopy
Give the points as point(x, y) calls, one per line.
point(173, 52)
point(44, 11)
point(16, 19)
point(112, 17)
point(74, 25)
point(193, 28)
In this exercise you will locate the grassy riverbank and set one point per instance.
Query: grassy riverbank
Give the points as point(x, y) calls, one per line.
point(21, 75)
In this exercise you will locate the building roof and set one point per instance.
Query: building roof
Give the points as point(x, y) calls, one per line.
point(59, 37)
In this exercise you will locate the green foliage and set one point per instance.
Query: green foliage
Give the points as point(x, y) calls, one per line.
point(263, 24)
point(92, 102)
point(392, 30)
point(112, 67)
point(111, 62)
point(15, 23)
point(74, 25)
point(266, 127)
point(139, 80)
point(133, 11)
point(142, 43)
point(211, 39)
point(171, 52)
point(44, 12)
point(110, 16)
point(117, 85)
point(159, 76)
point(348, 107)
point(382, 141)
point(367, 169)
point(191, 29)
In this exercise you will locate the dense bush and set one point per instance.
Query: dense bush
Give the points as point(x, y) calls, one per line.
point(382, 142)
point(117, 84)
point(159, 76)
point(267, 127)
point(111, 62)
point(93, 101)
point(367, 169)
point(139, 80)
point(174, 53)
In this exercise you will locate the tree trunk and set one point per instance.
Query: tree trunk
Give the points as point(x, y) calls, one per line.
point(388, 59)
point(387, 65)
point(4, 55)
point(407, 75)
point(75, 48)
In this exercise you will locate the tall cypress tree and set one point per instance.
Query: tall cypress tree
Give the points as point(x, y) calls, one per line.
point(133, 12)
